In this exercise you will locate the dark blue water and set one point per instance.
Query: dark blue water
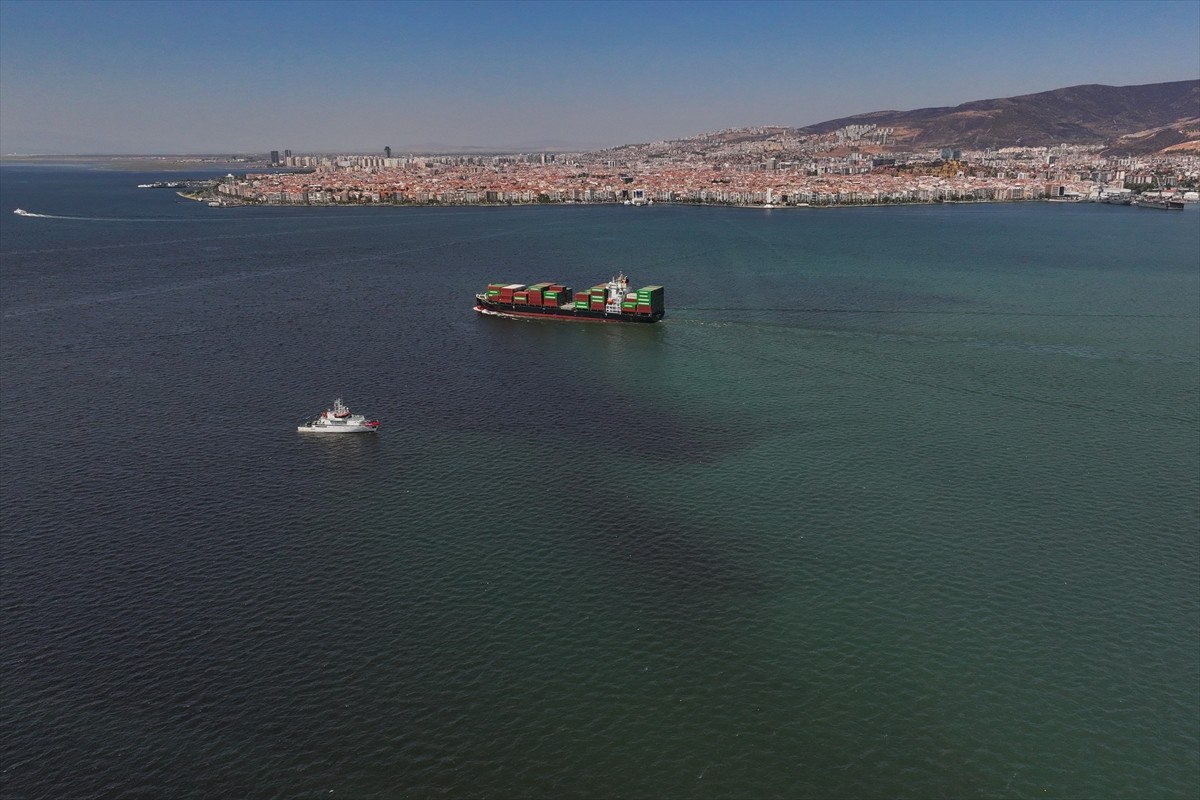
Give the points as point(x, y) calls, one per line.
point(898, 502)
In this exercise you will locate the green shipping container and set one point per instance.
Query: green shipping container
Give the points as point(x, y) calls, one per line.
point(581, 304)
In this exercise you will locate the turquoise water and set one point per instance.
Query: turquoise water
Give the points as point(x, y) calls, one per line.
point(898, 502)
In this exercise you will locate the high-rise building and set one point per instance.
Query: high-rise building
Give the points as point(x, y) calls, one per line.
point(387, 152)
point(274, 158)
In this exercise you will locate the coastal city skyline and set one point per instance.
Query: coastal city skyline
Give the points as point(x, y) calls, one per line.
point(838, 169)
point(182, 77)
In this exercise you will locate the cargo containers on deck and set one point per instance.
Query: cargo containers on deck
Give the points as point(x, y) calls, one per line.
point(605, 302)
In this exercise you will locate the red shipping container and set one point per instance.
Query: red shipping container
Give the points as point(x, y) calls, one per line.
point(535, 298)
point(597, 306)
point(581, 296)
point(643, 309)
point(555, 287)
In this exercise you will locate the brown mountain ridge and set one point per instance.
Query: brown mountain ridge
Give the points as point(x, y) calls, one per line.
point(1134, 120)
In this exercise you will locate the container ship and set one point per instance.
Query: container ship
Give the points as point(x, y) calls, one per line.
point(606, 302)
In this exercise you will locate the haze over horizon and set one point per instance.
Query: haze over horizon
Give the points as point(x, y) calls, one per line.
point(236, 77)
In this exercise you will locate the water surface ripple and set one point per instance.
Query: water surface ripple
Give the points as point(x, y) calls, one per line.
point(899, 503)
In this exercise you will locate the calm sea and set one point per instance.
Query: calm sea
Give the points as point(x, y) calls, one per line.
point(897, 503)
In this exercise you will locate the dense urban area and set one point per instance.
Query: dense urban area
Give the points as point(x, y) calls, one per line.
point(768, 167)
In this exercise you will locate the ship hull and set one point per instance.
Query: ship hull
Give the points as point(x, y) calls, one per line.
point(1162, 205)
point(515, 311)
point(335, 429)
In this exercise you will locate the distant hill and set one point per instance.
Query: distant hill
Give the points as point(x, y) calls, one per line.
point(1157, 117)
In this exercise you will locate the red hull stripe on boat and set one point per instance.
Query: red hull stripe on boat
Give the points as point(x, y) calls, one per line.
point(562, 317)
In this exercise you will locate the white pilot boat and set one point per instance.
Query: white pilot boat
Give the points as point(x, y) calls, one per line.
point(339, 420)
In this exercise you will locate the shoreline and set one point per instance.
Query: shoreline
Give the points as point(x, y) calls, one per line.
point(226, 203)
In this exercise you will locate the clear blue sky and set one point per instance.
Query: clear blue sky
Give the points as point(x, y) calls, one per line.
point(200, 77)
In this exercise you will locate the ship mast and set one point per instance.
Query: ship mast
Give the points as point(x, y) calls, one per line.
point(617, 288)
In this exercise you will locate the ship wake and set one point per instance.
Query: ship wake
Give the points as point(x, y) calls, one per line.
point(20, 212)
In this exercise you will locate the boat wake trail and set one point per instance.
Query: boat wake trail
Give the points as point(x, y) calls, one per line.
point(787, 364)
point(944, 312)
point(20, 212)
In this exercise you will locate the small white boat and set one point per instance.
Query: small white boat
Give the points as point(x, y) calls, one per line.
point(20, 212)
point(339, 420)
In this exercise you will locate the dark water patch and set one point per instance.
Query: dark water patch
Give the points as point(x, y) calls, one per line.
point(559, 390)
point(661, 553)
